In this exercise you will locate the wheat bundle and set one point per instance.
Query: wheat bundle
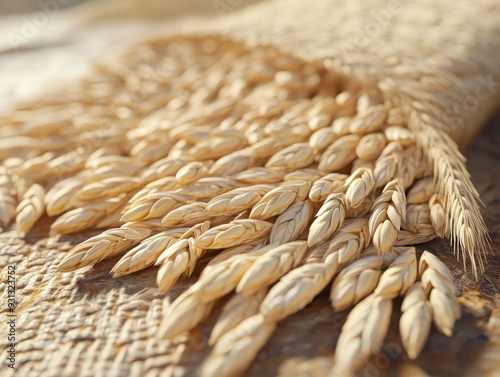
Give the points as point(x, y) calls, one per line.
point(281, 154)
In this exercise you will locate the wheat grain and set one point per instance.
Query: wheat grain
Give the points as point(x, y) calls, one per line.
point(291, 223)
point(234, 162)
point(370, 146)
point(367, 324)
point(339, 154)
point(236, 350)
point(359, 186)
point(322, 138)
point(341, 125)
point(165, 167)
point(387, 164)
point(295, 156)
point(86, 216)
point(237, 200)
point(107, 188)
point(109, 243)
point(239, 307)
point(254, 176)
point(59, 198)
point(153, 206)
point(438, 286)
point(8, 202)
point(369, 121)
point(192, 171)
point(438, 215)
point(355, 282)
point(328, 220)
point(222, 279)
point(270, 266)
point(235, 233)
point(308, 174)
point(146, 253)
point(30, 209)
point(388, 212)
point(208, 187)
point(400, 134)
point(421, 191)
point(276, 201)
point(416, 320)
point(327, 185)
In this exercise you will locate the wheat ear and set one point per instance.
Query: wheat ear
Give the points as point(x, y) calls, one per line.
point(239, 307)
point(329, 184)
point(236, 350)
point(388, 212)
point(367, 324)
point(146, 253)
point(30, 209)
point(416, 320)
point(328, 220)
point(109, 243)
point(8, 201)
point(438, 285)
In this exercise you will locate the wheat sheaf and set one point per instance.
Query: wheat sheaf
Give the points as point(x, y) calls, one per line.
point(288, 175)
